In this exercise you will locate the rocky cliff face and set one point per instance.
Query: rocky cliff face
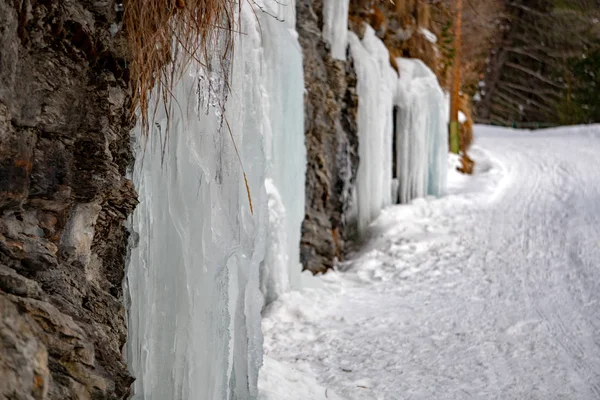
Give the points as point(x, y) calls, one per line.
point(64, 151)
point(330, 107)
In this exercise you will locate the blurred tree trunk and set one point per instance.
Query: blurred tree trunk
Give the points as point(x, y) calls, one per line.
point(529, 76)
point(454, 105)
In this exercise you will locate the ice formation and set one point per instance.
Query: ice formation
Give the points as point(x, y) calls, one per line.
point(376, 89)
point(283, 129)
point(193, 280)
point(420, 129)
point(421, 132)
point(335, 27)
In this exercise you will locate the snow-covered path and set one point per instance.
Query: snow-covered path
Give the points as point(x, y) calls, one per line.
point(492, 292)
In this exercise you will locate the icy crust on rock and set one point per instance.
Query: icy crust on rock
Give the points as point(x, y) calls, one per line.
point(376, 89)
point(193, 279)
point(421, 132)
point(335, 26)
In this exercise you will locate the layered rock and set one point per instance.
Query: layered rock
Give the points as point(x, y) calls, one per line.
point(331, 142)
point(64, 152)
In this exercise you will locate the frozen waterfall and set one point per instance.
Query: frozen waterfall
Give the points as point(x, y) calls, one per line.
point(376, 88)
point(420, 129)
point(199, 255)
point(421, 132)
point(283, 129)
point(335, 26)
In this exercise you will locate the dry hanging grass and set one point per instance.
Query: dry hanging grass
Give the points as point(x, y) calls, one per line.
point(165, 35)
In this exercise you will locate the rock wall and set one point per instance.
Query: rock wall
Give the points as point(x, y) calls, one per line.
point(330, 107)
point(64, 151)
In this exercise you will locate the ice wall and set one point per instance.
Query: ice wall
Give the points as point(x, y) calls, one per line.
point(420, 129)
point(421, 132)
point(283, 129)
point(193, 280)
point(335, 26)
point(376, 89)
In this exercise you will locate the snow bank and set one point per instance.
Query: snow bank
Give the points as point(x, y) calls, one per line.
point(335, 26)
point(280, 381)
point(421, 132)
point(194, 274)
point(376, 88)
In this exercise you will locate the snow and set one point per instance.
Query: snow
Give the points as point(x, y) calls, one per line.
point(283, 381)
point(376, 88)
point(421, 132)
point(335, 27)
point(430, 36)
point(491, 292)
point(198, 250)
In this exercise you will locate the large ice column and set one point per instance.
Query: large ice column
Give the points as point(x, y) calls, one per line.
point(202, 255)
point(335, 26)
point(421, 132)
point(376, 89)
point(193, 277)
point(388, 81)
point(283, 129)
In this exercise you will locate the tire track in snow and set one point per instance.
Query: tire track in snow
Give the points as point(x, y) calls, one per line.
point(477, 295)
point(556, 190)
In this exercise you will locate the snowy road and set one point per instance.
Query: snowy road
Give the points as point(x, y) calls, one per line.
point(492, 292)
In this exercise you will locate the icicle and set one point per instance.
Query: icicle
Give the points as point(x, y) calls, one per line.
point(421, 133)
point(335, 27)
point(376, 88)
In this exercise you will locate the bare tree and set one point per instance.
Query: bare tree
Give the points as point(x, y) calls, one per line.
point(529, 75)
